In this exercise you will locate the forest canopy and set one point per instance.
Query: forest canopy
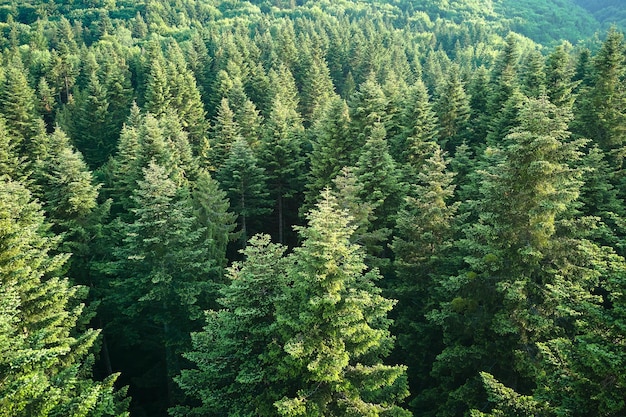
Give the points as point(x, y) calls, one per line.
point(312, 208)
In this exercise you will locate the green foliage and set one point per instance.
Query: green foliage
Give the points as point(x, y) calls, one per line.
point(45, 357)
point(505, 261)
point(236, 354)
point(333, 319)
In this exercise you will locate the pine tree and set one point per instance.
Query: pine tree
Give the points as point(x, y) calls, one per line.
point(281, 155)
point(224, 132)
point(502, 304)
point(421, 245)
point(453, 111)
point(212, 211)
point(245, 183)
point(162, 278)
point(45, 357)
point(559, 76)
point(236, 352)
point(334, 322)
point(332, 148)
point(18, 107)
point(533, 75)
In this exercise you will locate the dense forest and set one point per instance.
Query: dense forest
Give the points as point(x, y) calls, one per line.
point(312, 208)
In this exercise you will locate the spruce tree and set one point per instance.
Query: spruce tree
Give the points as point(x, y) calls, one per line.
point(235, 355)
point(332, 148)
point(333, 321)
point(422, 244)
point(560, 84)
point(224, 132)
point(45, 354)
point(498, 308)
point(453, 111)
point(162, 278)
point(281, 155)
point(245, 184)
point(18, 107)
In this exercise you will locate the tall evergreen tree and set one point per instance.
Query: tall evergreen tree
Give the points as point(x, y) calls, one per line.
point(421, 245)
point(225, 131)
point(45, 357)
point(236, 352)
point(333, 148)
point(245, 183)
point(162, 279)
point(502, 304)
point(281, 155)
point(453, 111)
point(333, 319)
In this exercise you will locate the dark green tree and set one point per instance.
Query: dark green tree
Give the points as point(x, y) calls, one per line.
point(453, 111)
point(502, 304)
point(333, 148)
point(245, 184)
point(162, 278)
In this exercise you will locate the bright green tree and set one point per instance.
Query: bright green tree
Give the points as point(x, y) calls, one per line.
point(45, 354)
point(236, 353)
point(334, 322)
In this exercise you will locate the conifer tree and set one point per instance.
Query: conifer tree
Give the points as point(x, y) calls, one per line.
point(18, 106)
point(560, 76)
point(317, 88)
point(377, 172)
point(281, 155)
point(603, 109)
point(212, 211)
point(162, 278)
point(417, 141)
point(225, 131)
point(45, 357)
point(368, 106)
point(453, 111)
point(505, 96)
point(422, 247)
point(67, 188)
point(533, 75)
point(10, 161)
point(332, 148)
point(250, 122)
point(501, 305)
point(88, 121)
point(245, 183)
point(158, 95)
point(236, 353)
point(333, 320)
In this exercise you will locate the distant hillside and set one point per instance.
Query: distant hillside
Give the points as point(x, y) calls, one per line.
point(547, 21)
point(607, 12)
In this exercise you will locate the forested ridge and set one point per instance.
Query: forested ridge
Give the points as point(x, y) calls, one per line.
point(312, 208)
